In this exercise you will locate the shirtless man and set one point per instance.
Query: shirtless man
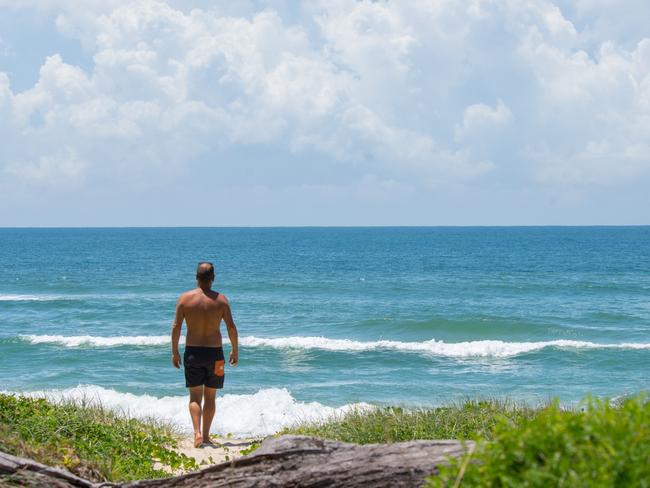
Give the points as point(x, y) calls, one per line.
point(203, 309)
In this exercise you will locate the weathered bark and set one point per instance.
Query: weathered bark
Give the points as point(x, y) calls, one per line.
point(297, 461)
point(25, 472)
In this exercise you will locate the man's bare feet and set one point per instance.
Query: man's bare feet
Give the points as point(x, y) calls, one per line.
point(207, 440)
point(198, 439)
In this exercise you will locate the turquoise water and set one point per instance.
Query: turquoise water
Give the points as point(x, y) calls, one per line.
point(330, 317)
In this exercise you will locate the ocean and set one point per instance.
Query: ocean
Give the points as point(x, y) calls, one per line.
point(329, 318)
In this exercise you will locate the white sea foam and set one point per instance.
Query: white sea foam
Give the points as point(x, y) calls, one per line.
point(30, 298)
point(98, 341)
point(488, 348)
point(258, 414)
point(491, 348)
point(70, 297)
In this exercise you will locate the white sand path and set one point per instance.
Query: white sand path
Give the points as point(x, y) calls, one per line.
point(221, 450)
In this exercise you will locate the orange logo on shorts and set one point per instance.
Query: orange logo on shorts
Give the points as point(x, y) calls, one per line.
point(218, 367)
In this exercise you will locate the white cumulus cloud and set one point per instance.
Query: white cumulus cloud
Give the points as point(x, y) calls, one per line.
point(480, 117)
point(414, 93)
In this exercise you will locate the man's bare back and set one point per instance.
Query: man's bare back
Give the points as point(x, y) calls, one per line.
point(203, 311)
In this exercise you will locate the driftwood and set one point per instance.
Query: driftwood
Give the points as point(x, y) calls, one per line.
point(286, 461)
point(18, 471)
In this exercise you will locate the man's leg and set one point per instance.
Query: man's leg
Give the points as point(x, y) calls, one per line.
point(196, 396)
point(209, 395)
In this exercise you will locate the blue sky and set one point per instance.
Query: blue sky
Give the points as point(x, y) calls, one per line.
point(121, 113)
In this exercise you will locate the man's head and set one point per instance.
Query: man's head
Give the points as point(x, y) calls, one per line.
point(205, 274)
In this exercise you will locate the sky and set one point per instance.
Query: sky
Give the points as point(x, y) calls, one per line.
point(261, 113)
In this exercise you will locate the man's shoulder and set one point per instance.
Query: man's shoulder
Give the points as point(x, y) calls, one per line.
point(186, 294)
point(222, 298)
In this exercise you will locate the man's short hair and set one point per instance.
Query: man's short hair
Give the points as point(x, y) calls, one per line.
point(205, 271)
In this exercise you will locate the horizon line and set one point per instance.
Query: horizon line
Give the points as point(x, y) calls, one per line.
point(368, 226)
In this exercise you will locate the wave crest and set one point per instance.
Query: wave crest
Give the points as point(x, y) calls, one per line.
point(259, 414)
point(30, 298)
point(98, 341)
point(483, 348)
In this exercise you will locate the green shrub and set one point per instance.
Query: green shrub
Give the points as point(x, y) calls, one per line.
point(90, 441)
point(599, 445)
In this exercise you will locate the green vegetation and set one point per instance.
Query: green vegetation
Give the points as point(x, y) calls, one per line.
point(251, 448)
point(466, 420)
point(88, 440)
point(598, 444)
point(601, 445)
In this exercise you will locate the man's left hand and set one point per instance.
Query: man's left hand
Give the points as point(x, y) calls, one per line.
point(234, 358)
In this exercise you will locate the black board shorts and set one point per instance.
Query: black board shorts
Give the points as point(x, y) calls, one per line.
point(204, 366)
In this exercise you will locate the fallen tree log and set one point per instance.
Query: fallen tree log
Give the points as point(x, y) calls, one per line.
point(298, 461)
point(18, 471)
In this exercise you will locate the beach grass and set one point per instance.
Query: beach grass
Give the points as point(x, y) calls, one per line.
point(88, 440)
point(468, 419)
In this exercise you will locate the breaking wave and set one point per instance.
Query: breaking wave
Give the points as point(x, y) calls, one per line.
point(259, 414)
point(484, 348)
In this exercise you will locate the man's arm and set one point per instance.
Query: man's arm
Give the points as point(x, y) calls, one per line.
point(232, 334)
point(176, 333)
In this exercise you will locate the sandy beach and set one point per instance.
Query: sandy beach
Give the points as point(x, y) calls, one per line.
point(222, 449)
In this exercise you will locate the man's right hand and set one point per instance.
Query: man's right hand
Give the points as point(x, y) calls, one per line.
point(234, 358)
point(176, 360)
